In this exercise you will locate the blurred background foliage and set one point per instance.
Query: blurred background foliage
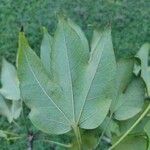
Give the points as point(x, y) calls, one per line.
point(129, 19)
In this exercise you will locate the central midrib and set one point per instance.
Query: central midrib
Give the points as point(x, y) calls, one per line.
point(72, 94)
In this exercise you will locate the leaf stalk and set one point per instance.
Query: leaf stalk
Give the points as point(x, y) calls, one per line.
point(57, 143)
point(78, 136)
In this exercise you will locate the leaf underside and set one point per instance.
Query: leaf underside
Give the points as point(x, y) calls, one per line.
point(10, 109)
point(77, 89)
point(10, 82)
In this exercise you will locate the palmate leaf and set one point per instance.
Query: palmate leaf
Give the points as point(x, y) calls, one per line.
point(143, 55)
point(10, 103)
point(79, 92)
point(129, 92)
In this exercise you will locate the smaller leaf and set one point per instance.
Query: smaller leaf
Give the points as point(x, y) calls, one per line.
point(10, 82)
point(130, 102)
point(137, 68)
point(16, 109)
point(10, 103)
point(4, 109)
point(129, 94)
point(143, 55)
point(10, 109)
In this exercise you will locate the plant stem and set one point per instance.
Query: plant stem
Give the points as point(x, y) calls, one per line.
point(131, 128)
point(10, 133)
point(15, 138)
point(30, 141)
point(29, 134)
point(57, 143)
point(24, 119)
point(78, 136)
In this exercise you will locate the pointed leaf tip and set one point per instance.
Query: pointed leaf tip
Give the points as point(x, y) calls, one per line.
point(61, 16)
point(21, 29)
point(62, 19)
point(23, 43)
point(22, 46)
point(44, 29)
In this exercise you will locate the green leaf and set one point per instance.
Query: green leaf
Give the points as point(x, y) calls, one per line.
point(80, 90)
point(143, 55)
point(129, 92)
point(10, 99)
point(4, 109)
point(10, 109)
point(132, 143)
point(46, 48)
point(137, 67)
point(16, 108)
point(130, 102)
point(10, 82)
point(147, 130)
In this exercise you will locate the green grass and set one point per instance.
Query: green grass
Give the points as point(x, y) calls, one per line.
point(129, 20)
